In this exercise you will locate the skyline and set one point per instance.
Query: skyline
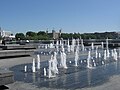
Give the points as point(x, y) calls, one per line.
point(83, 16)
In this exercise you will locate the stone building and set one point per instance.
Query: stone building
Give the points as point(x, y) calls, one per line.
point(6, 34)
point(56, 35)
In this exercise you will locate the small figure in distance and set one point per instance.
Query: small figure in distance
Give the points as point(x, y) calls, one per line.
point(3, 42)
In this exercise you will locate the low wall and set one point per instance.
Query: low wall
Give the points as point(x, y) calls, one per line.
point(6, 77)
point(13, 53)
point(14, 47)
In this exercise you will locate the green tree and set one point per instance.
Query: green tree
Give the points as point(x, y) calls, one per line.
point(20, 36)
point(30, 34)
point(41, 33)
point(50, 36)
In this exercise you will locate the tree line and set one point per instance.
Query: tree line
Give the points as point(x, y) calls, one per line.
point(96, 35)
point(42, 35)
point(30, 35)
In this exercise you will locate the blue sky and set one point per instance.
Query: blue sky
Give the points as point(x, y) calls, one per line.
point(71, 15)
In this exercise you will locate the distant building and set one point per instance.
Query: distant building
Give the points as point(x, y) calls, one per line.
point(6, 34)
point(118, 35)
point(56, 35)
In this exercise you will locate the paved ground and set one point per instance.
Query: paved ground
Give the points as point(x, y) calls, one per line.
point(112, 84)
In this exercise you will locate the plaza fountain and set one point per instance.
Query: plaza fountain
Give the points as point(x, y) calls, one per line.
point(55, 63)
point(73, 45)
point(51, 45)
point(45, 72)
point(105, 55)
point(78, 42)
point(49, 69)
point(57, 46)
point(25, 69)
point(92, 46)
point(68, 46)
point(89, 65)
point(82, 45)
point(38, 61)
point(73, 68)
point(52, 69)
point(96, 53)
point(63, 60)
point(102, 45)
point(33, 66)
point(76, 58)
point(115, 55)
